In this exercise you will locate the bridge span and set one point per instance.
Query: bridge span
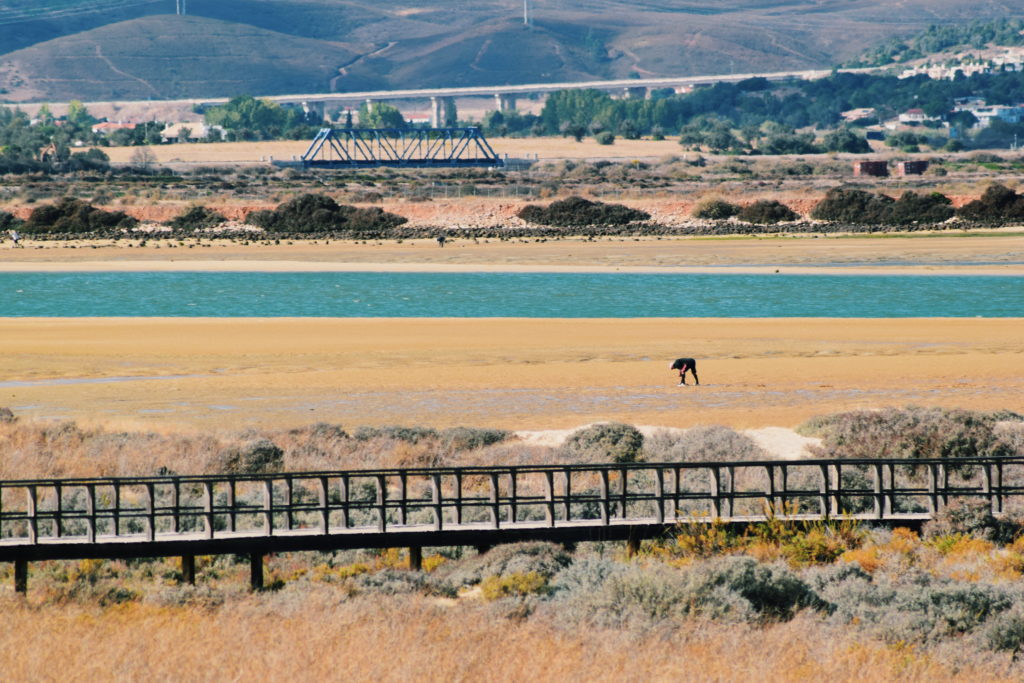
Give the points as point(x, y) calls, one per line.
point(257, 514)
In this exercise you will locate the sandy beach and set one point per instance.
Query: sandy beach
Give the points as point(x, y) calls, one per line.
point(509, 373)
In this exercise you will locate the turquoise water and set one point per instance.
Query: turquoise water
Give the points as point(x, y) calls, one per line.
point(537, 295)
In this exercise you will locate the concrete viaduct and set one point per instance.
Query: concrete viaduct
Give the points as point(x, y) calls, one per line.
point(504, 95)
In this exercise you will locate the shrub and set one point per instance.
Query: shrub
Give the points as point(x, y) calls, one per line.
point(911, 433)
point(715, 209)
point(1006, 631)
point(605, 138)
point(196, 218)
point(543, 559)
point(971, 517)
point(712, 443)
point(997, 203)
point(767, 212)
point(313, 213)
point(458, 439)
point(9, 222)
point(605, 442)
point(7, 415)
point(517, 584)
point(70, 215)
point(411, 435)
point(255, 457)
point(579, 212)
point(849, 205)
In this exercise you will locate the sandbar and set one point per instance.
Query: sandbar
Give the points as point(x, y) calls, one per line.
point(201, 374)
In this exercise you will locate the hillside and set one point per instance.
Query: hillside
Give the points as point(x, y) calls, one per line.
point(125, 49)
point(170, 56)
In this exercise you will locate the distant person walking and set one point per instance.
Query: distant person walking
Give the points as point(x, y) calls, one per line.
point(441, 240)
point(15, 237)
point(683, 365)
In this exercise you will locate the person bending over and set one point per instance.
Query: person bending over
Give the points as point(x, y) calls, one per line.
point(683, 365)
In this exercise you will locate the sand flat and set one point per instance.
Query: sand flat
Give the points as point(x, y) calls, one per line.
point(511, 373)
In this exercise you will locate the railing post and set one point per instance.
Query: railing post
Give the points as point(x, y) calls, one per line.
point(150, 511)
point(344, 495)
point(837, 487)
point(382, 503)
point(59, 511)
point(549, 498)
point(659, 495)
point(403, 494)
point(458, 497)
point(495, 512)
point(604, 505)
point(623, 496)
point(188, 569)
point(513, 491)
point(232, 511)
point(268, 514)
point(208, 508)
point(567, 505)
point(31, 498)
point(823, 492)
point(435, 501)
point(325, 512)
point(769, 491)
point(730, 492)
point(175, 506)
point(876, 483)
point(933, 488)
point(944, 497)
point(889, 502)
point(986, 486)
point(116, 515)
point(714, 486)
point(999, 487)
point(90, 513)
point(678, 484)
point(289, 516)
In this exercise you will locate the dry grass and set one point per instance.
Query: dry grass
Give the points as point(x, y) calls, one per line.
point(316, 634)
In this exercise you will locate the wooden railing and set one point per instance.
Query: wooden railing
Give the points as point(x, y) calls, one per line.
point(209, 514)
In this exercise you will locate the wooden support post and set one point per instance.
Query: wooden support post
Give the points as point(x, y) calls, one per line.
point(175, 504)
point(659, 496)
point(256, 571)
point(678, 490)
point(632, 547)
point(769, 492)
point(566, 504)
point(116, 516)
point(208, 508)
point(289, 515)
point(481, 549)
point(403, 495)
point(836, 473)
point(90, 513)
point(986, 486)
point(513, 509)
point(933, 488)
point(58, 519)
point(730, 492)
point(343, 494)
point(714, 486)
point(823, 492)
point(458, 497)
point(30, 511)
point(876, 481)
point(382, 503)
point(415, 558)
point(232, 512)
point(889, 503)
point(21, 576)
point(188, 569)
point(624, 473)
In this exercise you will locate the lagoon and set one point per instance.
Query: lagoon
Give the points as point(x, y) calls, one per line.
point(484, 295)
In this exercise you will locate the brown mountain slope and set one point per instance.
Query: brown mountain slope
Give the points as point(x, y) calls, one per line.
point(170, 56)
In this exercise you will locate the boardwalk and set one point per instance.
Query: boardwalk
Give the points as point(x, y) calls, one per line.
point(480, 506)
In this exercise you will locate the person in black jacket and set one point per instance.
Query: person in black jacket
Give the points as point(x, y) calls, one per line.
point(682, 365)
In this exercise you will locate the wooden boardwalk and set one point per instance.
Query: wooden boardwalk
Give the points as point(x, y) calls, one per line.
point(480, 506)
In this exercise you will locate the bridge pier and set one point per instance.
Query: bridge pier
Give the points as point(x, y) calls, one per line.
point(188, 569)
point(442, 112)
point(319, 108)
point(504, 102)
point(256, 571)
point(632, 547)
point(416, 558)
point(21, 576)
point(481, 549)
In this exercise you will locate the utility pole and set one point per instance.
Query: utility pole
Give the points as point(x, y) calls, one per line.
point(526, 12)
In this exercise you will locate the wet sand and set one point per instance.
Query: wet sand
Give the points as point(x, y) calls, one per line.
point(509, 373)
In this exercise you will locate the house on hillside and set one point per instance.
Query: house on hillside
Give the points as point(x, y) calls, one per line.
point(191, 131)
point(915, 116)
point(108, 127)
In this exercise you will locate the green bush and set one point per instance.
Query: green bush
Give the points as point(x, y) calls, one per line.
point(997, 203)
point(517, 584)
point(767, 212)
point(542, 559)
point(715, 210)
point(713, 443)
point(9, 222)
point(458, 439)
point(579, 212)
point(397, 432)
point(605, 442)
point(605, 138)
point(314, 213)
point(196, 218)
point(70, 215)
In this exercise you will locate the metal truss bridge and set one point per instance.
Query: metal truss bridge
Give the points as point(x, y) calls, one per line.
point(413, 148)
